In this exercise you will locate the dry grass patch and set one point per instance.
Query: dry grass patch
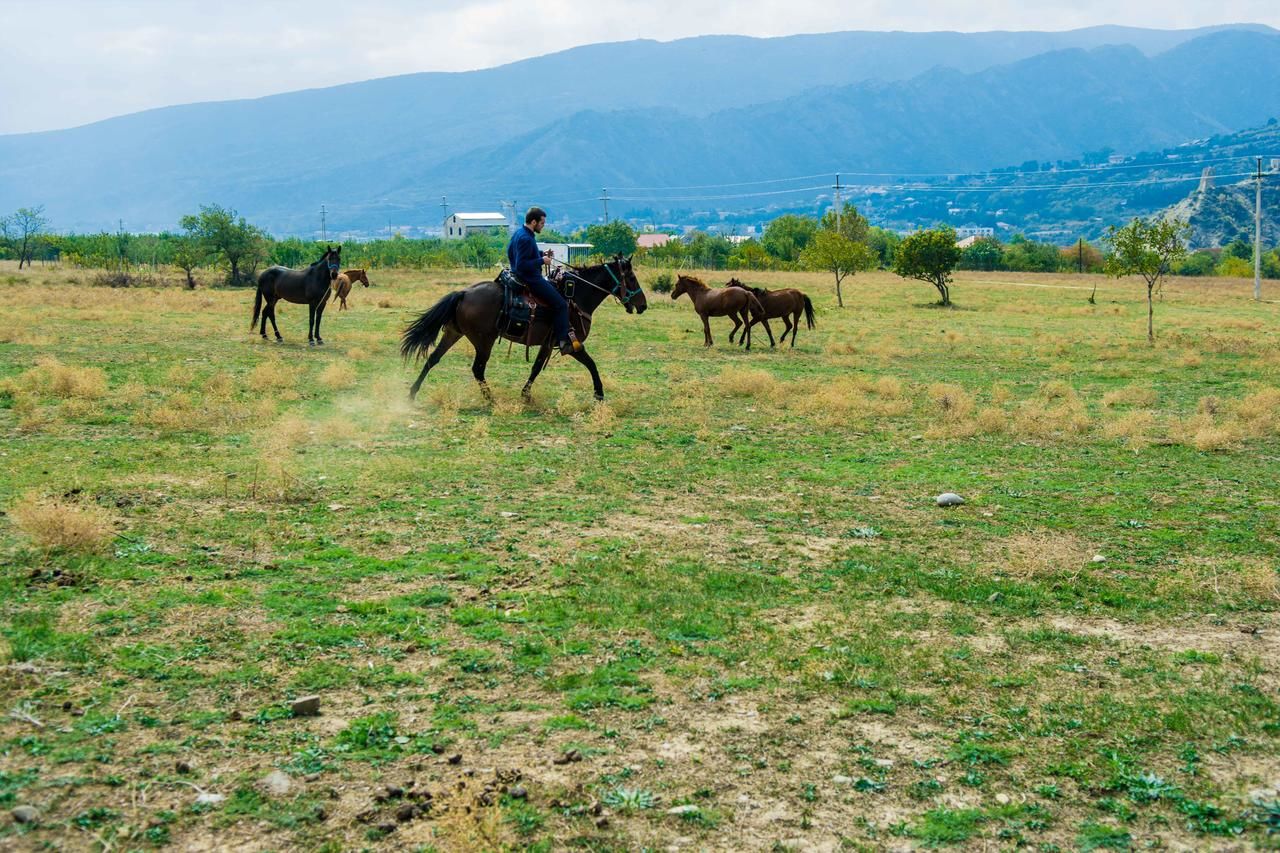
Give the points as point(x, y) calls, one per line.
point(952, 407)
point(338, 375)
point(1259, 412)
point(1136, 429)
point(55, 524)
point(1045, 555)
point(272, 374)
point(1130, 395)
point(1256, 579)
point(746, 382)
point(51, 377)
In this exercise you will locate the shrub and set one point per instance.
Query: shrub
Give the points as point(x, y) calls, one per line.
point(55, 524)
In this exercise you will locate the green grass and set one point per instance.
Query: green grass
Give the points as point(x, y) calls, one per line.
point(729, 581)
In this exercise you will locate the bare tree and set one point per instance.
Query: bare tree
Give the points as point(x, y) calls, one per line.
point(27, 226)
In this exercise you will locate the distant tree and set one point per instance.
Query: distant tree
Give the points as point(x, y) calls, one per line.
point(750, 255)
point(188, 253)
point(884, 243)
point(613, 238)
point(27, 224)
point(786, 236)
point(930, 256)
point(1230, 266)
point(984, 254)
point(1082, 257)
point(849, 223)
point(1198, 263)
point(708, 251)
point(228, 236)
point(1023, 255)
point(290, 252)
point(1149, 248)
point(1240, 248)
point(833, 252)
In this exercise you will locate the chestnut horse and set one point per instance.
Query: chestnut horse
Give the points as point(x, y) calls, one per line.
point(787, 304)
point(342, 285)
point(733, 303)
point(473, 314)
point(309, 287)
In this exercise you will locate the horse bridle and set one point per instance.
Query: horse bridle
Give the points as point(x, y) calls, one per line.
point(626, 295)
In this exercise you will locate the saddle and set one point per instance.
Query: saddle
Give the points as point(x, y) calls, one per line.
point(518, 305)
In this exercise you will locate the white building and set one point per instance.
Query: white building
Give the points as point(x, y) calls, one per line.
point(459, 225)
point(974, 231)
point(567, 253)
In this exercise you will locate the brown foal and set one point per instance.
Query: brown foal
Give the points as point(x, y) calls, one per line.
point(731, 302)
point(342, 285)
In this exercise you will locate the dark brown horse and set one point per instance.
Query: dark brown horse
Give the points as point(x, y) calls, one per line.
point(473, 314)
point(342, 286)
point(787, 304)
point(733, 303)
point(309, 287)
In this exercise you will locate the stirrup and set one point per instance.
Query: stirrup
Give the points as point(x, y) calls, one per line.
point(570, 346)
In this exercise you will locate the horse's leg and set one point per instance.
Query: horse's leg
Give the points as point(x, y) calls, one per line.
point(544, 355)
point(483, 348)
point(706, 330)
point(447, 340)
point(795, 327)
point(582, 358)
point(272, 308)
point(311, 324)
point(319, 315)
point(769, 331)
point(786, 322)
point(266, 312)
point(745, 317)
point(737, 324)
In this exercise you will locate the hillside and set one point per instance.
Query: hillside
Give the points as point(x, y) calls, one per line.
point(643, 113)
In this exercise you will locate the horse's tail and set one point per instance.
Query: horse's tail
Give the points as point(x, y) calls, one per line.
point(756, 306)
point(422, 332)
point(808, 311)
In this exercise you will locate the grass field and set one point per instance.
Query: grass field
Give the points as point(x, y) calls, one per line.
point(720, 611)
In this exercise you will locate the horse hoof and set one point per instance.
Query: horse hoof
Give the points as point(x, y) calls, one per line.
point(311, 343)
point(599, 398)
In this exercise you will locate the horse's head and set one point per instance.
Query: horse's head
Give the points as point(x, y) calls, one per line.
point(733, 282)
point(632, 295)
point(358, 275)
point(681, 288)
point(333, 258)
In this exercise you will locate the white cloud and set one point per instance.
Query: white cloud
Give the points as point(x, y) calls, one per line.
point(83, 60)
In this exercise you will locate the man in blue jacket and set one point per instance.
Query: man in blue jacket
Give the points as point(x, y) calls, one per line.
point(526, 264)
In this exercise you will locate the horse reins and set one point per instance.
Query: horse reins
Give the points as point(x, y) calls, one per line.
point(627, 293)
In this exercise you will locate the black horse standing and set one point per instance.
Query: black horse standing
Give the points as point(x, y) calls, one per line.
point(473, 313)
point(309, 287)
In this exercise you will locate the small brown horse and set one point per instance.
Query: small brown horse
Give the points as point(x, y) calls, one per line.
point(342, 285)
point(308, 287)
point(734, 303)
point(473, 314)
point(787, 304)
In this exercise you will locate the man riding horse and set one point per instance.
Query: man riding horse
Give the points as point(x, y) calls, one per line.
point(526, 265)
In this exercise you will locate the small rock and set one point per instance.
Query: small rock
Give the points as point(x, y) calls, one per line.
point(208, 798)
point(306, 706)
point(602, 823)
point(519, 792)
point(456, 758)
point(884, 762)
point(386, 828)
point(406, 812)
point(77, 712)
point(67, 705)
point(401, 739)
point(949, 499)
point(1002, 799)
point(569, 757)
point(994, 597)
point(1248, 629)
point(683, 810)
point(509, 514)
point(337, 507)
point(25, 814)
point(182, 767)
point(276, 784)
point(842, 780)
point(235, 716)
point(1098, 558)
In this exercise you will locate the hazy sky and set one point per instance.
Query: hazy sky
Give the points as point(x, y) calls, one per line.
point(75, 61)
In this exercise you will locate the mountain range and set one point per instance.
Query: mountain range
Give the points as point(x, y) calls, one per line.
point(636, 114)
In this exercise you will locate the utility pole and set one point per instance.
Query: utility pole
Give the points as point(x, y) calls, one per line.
point(444, 207)
point(1080, 255)
point(604, 197)
point(1257, 238)
point(324, 226)
point(838, 205)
